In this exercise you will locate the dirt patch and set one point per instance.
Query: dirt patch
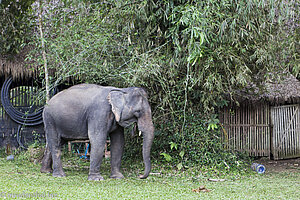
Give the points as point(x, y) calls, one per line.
point(289, 165)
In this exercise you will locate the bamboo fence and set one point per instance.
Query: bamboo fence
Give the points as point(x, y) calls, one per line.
point(286, 131)
point(247, 129)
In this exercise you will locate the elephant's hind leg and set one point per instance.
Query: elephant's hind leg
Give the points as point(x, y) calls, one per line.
point(47, 161)
point(53, 140)
point(57, 164)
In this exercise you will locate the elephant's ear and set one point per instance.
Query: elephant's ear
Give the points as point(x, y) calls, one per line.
point(117, 102)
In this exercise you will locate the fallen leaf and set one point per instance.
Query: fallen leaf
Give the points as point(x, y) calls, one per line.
point(201, 189)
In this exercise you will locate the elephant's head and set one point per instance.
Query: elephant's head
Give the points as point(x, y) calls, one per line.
point(131, 105)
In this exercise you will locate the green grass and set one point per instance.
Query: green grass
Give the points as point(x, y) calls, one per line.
point(21, 177)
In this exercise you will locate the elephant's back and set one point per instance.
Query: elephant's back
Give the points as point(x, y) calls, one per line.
point(77, 93)
point(85, 86)
point(85, 90)
point(78, 97)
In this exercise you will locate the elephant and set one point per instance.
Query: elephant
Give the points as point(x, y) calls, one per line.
point(94, 112)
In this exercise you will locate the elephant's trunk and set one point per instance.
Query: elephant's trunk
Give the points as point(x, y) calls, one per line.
point(148, 139)
point(146, 126)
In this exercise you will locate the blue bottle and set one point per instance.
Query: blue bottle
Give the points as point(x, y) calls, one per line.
point(10, 157)
point(259, 168)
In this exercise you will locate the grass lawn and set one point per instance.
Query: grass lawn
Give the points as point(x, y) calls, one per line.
point(21, 179)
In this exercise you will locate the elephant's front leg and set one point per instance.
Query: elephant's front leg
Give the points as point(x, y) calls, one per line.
point(97, 141)
point(116, 151)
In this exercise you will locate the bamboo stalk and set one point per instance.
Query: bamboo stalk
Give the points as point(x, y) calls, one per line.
point(44, 53)
point(45, 61)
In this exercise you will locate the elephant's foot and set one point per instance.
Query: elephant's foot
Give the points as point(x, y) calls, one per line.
point(58, 173)
point(95, 177)
point(117, 175)
point(46, 170)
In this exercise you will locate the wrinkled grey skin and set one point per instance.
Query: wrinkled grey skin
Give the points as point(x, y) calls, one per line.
point(93, 112)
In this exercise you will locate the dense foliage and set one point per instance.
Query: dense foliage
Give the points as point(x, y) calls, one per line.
point(15, 25)
point(186, 53)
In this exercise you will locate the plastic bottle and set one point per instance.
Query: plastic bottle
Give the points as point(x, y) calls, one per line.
point(259, 168)
point(10, 157)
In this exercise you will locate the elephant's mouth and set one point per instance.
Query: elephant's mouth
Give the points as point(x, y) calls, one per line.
point(127, 123)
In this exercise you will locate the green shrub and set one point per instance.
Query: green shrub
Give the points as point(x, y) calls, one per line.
point(195, 147)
